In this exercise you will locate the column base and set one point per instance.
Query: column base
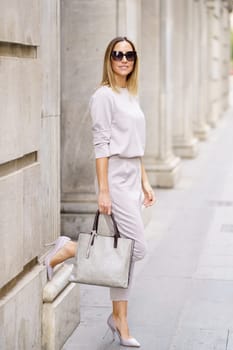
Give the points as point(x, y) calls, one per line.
point(163, 174)
point(186, 150)
point(202, 132)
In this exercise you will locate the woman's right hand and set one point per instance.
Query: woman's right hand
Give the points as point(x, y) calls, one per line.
point(104, 203)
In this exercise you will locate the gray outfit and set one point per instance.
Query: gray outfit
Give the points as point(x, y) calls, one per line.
point(119, 134)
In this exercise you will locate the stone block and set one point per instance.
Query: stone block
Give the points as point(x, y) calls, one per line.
point(19, 22)
point(21, 312)
point(60, 318)
point(49, 159)
point(49, 53)
point(20, 107)
point(11, 226)
point(59, 281)
point(31, 213)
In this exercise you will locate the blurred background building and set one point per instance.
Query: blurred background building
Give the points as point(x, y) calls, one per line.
point(51, 55)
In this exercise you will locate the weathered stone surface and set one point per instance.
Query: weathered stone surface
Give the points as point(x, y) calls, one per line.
point(129, 20)
point(181, 80)
point(59, 281)
point(11, 223)
point(200, 68)
point(159, 108)
point(19, 22)
point(50, 58)
point(60, 318)
point(149, 89)
point(31, 213)
point(50, 178)
point(82, 51)
point(20, 107)
point(21, 312)
point(82, 56)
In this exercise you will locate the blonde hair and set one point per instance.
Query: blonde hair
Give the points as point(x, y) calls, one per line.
point(108, 77)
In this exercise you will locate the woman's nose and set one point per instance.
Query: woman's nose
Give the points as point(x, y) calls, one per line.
point(124, 59)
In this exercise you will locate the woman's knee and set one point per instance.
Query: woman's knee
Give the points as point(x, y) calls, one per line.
point(140, 250)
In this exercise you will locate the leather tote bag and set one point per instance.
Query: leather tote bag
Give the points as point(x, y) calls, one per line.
point(103, 260)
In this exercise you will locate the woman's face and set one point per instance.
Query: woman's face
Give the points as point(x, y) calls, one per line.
point(124, 67)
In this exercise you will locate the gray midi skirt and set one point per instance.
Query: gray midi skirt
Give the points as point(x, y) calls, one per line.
point(124, 178)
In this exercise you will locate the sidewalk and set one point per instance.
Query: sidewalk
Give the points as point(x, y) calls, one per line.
point(183, 292)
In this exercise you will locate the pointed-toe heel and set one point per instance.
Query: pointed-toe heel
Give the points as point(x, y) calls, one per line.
point(130, 342)
point(59, 243)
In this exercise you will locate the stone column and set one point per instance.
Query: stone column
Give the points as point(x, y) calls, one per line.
point(49, 155)
point(129, 20)
point(181, 87)
point(83, 45)
point(215, 81)
point(200, 71)
point(161, 164)
point(225, 39)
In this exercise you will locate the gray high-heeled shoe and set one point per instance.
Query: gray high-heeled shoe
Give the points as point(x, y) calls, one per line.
point(131, 342)
point(59, 243)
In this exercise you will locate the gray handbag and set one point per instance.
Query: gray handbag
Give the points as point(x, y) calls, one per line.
point(103, 260)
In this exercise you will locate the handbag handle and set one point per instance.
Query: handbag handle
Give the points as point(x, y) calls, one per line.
point(116, 231)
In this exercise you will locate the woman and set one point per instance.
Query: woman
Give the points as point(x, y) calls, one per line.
point(119, 141)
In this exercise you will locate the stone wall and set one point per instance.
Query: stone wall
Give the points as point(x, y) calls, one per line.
point(29, 163)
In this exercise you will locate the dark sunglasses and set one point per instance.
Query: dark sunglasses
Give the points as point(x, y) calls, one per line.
point(129, 55)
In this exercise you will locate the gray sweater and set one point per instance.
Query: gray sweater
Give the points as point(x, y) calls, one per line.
point(118, 124)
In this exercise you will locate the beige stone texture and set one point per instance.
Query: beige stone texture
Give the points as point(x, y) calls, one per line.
point(129, 20)
point(11, 223)
point(59, 281)
point(20, 107)
point(48, 52)
point(31, 213)
point(20, 220)
point(200, 71)
point(83, 48)
point(149, 75)
point(60, 318)
point(180, 87)
point(21, 313)
point(19, 22)
point(157, 104)
point(50, 176)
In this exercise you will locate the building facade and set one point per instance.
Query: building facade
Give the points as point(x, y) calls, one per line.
point(51, 55)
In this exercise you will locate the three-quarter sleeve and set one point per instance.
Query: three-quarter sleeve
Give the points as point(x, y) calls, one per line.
point(101, 113)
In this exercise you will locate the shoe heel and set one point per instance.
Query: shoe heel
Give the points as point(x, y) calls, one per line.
point(111, 326)
point(106, 333)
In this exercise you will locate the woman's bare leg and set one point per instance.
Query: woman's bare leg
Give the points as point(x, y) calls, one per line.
point(66, 252)
point(120, 310)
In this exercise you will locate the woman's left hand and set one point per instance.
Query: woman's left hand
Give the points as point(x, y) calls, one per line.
point(149, 196)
